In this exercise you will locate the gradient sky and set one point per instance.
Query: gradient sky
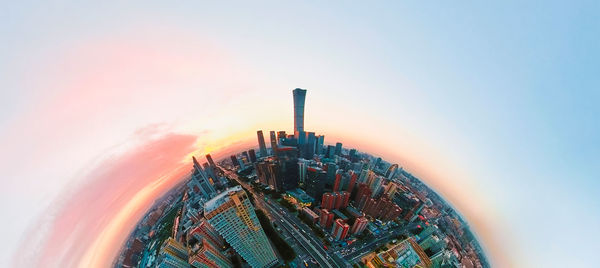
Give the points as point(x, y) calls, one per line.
point(494, 105)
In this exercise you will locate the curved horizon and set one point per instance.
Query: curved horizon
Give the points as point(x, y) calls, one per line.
point(493, 106)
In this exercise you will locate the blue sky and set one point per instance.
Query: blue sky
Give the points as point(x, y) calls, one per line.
point(502, 97)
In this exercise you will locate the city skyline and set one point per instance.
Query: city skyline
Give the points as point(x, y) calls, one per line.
point(493, 106)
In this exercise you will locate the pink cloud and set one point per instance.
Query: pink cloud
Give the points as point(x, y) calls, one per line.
point(74, 223)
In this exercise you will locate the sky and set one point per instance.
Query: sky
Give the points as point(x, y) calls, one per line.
point(493, 105)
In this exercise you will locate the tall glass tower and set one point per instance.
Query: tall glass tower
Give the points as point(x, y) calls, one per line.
point(299, 96)
point(232, 215)
point(261, 143)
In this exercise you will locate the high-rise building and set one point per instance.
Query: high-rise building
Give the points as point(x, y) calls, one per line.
point(261, 143)
point(338, 148)
point(340, 229)
point(328, 201)
point(281, 135)
point(200, 182)
point(234, 160)
point(210, 161)
point(252, 155)
point(203, 230)
point(302, 168)
point(311, 143)
point(360, 224)
point(172, 254)
point(345, 196)
point(331, 171)
point(232, 215)
point(337, 182)
point(391, 172)
point(319, 145)
point(315, 183)
point(273, 143)
point(204, 253)
point(353, 177)
point(325, 218)
point(330, 151)
point(299, 97)
point(352, 155)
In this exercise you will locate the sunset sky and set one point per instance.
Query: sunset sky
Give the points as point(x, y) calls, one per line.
point(495, 106)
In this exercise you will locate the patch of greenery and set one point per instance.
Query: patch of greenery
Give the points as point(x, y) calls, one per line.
point(284, 249)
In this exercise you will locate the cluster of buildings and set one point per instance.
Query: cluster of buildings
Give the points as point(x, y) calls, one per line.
point(342, 191)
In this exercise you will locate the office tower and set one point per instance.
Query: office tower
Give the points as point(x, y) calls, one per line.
point(197, 165)
point(302, 168)
point(328, 201)
point(340, 229)
point(261, 143)
point(337, 182)
point(288, 170)
point(330, 151)
point(315, 183)
point(360, 224)
point(331, 171)
point(273, 143)
point(204, 253)
point(252, 155)
point(391, 171)
point(209, 171)
point(299, 97)
point(319, 145)
point(200, 182)
point(172, 254)
point(338, 148)
point(281, 135)
point(353, 177)
point(234, 160)
point(210, 160)
point(232, 215)
point(325, 218)
point(311, 143)
point(265, 171)
point(203, 230)
point(352, 155)
point(246, 156)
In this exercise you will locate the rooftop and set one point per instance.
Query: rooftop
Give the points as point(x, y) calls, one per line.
point(220, 199)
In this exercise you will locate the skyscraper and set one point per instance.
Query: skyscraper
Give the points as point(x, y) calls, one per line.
point(234, 160)
point(204, 253)
point(273, 143)
point(201, 181)
point(210, 161)
point(261, 143)
point(172, 254)
point(319, 145)
point(338, 148)
point(299, 97)
point(315, 182)
point(252, 154)
point(232, 215)
point(311, 143)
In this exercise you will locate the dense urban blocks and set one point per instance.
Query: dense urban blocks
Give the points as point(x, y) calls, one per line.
point(303, 203)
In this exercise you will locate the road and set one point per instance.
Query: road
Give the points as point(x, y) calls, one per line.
point(291, 224)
